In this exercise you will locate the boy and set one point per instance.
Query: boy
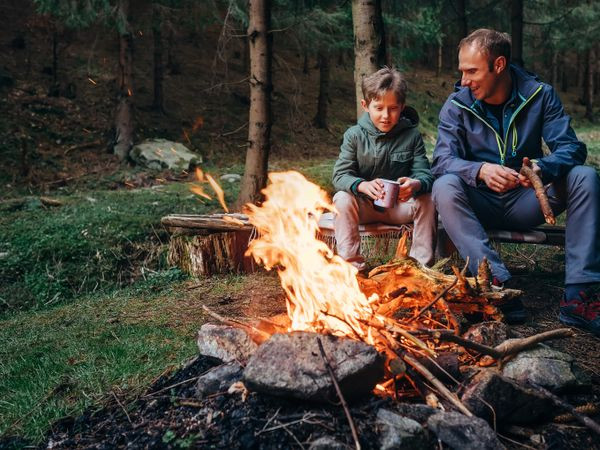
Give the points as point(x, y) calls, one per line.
point(384, 144)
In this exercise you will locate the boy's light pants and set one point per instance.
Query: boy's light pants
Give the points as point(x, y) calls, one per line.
point(354, 210)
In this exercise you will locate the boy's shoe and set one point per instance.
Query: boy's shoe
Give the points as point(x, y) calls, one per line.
point(582, 312)
point(514, 311)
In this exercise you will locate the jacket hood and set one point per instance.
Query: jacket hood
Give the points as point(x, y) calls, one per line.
point(408, 119)
point(527, 83)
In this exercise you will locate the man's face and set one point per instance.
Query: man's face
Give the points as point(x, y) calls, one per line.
point(476, 73)
point(384, 111)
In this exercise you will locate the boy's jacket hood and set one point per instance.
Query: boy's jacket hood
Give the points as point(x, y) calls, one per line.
point(408, 119)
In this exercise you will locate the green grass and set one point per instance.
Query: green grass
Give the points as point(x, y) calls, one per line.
point(97, 241)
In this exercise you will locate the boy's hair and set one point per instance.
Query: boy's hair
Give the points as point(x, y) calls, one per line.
point(490, 42)
point(374, 86)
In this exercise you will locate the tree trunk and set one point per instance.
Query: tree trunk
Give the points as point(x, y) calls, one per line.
point(564, 83)
point(259, 126)
point(580, 70)
point(461, 9)
point(305, 67)
point(440, 53)
point(554, 77)
point(588, 93)
point(368, 40)
point(516, 26)
point(320, 120)
point(158, 102)
point(124, 114)
point(54, 89)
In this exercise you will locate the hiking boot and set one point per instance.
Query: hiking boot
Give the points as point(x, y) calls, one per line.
point(514, 311)
point(582, 312)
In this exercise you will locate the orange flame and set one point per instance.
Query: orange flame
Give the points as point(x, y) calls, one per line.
point(322, 289)
point(199, 190)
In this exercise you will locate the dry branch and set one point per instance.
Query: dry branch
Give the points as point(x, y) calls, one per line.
point(339, 393)
point(253, 331)
point(540, 192)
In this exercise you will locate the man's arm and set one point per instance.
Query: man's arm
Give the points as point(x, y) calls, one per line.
point(567, 150)
point(450, 149)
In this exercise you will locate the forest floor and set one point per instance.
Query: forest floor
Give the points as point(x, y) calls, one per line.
point(91, 316)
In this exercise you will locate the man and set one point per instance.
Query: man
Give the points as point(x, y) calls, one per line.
point(498, 114)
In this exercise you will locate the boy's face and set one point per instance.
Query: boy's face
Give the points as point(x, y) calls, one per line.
point(384, 111)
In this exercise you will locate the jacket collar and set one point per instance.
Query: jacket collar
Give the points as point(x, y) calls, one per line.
point(524, 84)
point(408, 119)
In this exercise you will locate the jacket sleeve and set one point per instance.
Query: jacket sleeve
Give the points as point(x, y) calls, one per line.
point(345, 171)
point(450, 149)
point(566, 150)
point(421, 169)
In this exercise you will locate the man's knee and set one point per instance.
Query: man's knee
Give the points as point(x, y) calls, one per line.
point(446, 188)
point(584, 177)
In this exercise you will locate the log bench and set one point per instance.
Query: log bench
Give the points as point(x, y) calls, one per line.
point(203, 245)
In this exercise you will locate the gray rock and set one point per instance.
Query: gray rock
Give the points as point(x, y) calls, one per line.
point(225, 343)
point(327, 443)
point(463, 433)
point(547, 367)
point(510, 401)
point(290, 365)
point(400, 432)
point(488, 333)
point(163, 154)
point(218, 379)
point(415, 411)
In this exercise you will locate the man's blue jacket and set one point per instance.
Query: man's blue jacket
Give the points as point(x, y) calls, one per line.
point(467, 137)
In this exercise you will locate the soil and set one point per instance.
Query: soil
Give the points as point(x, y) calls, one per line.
point(169, 415)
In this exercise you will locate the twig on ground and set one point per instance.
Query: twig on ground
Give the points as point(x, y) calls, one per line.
point(122, 407)
point(340, 395)
point(443, 390)
point(236, 323)
point(585, 420)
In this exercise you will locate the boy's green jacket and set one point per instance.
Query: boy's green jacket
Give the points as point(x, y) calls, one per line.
point(367, 153)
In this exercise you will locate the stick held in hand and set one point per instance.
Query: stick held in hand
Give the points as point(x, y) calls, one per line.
point(540, 192)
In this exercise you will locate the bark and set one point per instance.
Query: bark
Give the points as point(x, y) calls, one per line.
point(461, 10)
point(259, 127)
point(440, 60)
point(54, 89)
point(588, 91)
point(564, 82)
point(320, 120)
point(368, 42)
point(554, 76)
point(158, 102)
point(124, 114)
point(516, 22)
point(540, 191)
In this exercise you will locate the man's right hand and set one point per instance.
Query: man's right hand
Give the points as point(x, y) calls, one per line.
point(498, 178)
point(372, 189)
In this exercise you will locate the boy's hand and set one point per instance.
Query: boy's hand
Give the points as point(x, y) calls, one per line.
point(525, 181)
point(408, 187)
point(372, 189)
point(498, 178)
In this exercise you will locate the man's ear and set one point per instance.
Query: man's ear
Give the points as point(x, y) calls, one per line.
point(363, 103)
point(500, 64)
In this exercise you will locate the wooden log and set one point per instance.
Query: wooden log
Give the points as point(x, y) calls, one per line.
point(211, 254)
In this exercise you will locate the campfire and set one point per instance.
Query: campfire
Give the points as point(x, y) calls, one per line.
point(408, 315)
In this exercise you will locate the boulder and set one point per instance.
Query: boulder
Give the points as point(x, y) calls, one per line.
point(163, 154)
point(463, 433)
point(225, 343)
point(416, 411)
point(400, 432)
point(510, 402)
point(290, 365)
point(218, 379)
point(547, 367)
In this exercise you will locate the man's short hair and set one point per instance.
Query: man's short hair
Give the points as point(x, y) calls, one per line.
point(375, 86)
point(491, 42)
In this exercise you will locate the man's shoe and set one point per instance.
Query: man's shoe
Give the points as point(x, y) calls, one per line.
point(582, 312)
point(514, 311)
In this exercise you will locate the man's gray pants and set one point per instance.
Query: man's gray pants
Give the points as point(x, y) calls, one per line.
point(466, 212)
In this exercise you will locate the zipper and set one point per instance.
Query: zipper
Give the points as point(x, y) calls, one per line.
point(502, 143)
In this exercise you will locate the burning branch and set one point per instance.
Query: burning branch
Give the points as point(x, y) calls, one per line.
point(540, 191)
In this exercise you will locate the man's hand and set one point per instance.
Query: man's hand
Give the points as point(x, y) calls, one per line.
point(408, 187)
point(524, 181)
point(499, 178)
point(372, 189)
